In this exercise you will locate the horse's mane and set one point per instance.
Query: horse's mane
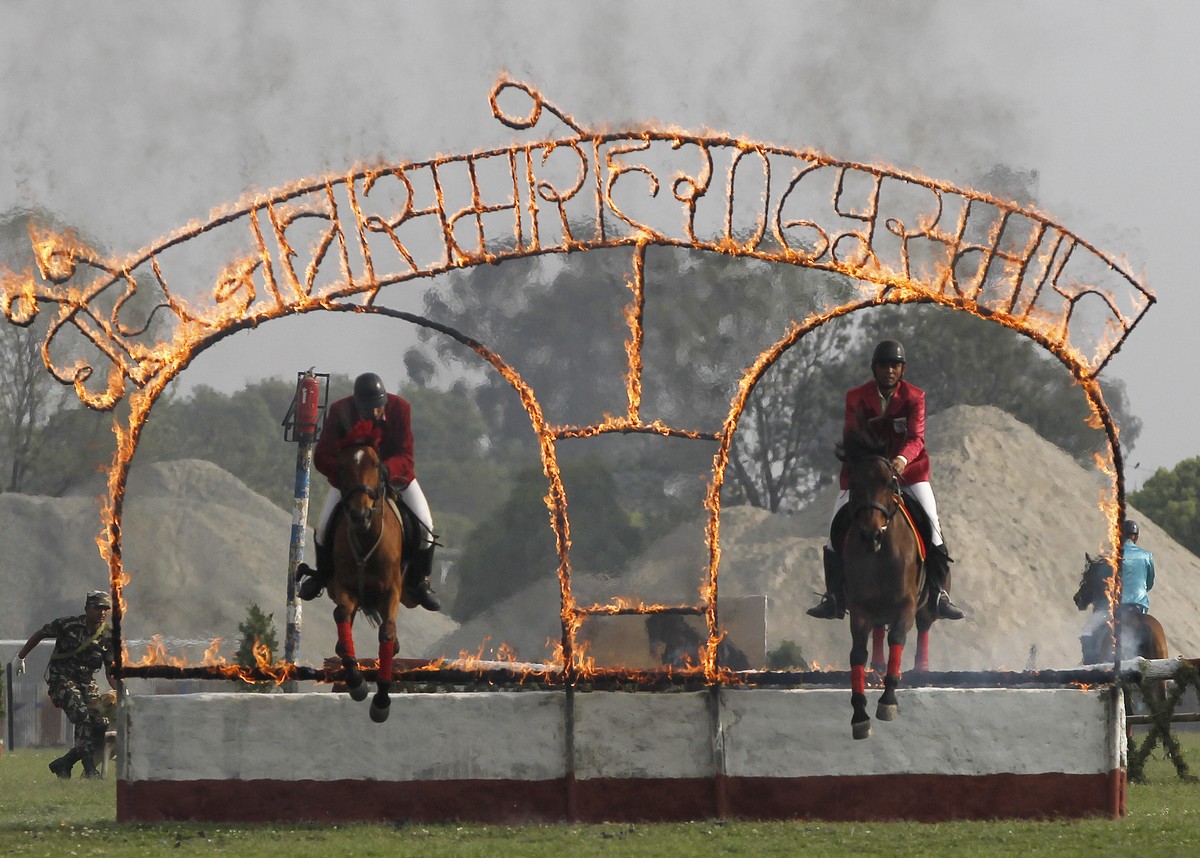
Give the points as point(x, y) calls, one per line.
point(363, 433)
point(859, 442)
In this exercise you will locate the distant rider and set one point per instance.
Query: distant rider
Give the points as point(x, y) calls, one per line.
point(895, 410)
point(392, 415)
point(1137, 569)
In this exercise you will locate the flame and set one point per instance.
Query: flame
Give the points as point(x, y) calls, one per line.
point(1021, 287)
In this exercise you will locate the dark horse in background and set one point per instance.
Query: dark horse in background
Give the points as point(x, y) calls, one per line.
point(368, 550)
point(1140, 635)
point(884, 573)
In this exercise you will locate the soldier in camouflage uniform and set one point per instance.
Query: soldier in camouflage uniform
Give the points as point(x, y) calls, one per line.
point(83, 644)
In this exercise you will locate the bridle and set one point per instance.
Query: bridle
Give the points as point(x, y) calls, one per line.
point(365, 519)
point(889, 511)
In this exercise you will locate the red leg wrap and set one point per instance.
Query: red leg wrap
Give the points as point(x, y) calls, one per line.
point(387, 651)
point(923, 650)
point(894, 653)
point(858, 678)
point(345, 640)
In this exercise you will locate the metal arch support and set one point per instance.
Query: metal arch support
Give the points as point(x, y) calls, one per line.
point(904, 237)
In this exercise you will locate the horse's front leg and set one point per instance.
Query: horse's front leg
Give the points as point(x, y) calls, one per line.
point(343, 617)
point(381, 703)
point(860, 722)
point(897, 634)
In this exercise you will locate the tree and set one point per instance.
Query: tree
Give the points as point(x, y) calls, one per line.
point(29, 395)
point(257, 632)
point(960, 359)
point(48, 440)
point(706, 317)
point(1172, 499)
point(514, 547)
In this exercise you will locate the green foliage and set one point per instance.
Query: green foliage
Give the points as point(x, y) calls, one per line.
point(1172, 499)
point(463, 480)
point(959, 359)
point(48, 440)
point(257, 630)
point(514, 546)
point(787, 657)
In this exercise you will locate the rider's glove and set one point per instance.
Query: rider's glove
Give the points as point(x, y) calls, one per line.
point(387, 474)
point(20, 666)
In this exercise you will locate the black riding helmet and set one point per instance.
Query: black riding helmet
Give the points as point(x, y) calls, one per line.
point(888, 351)
point(369, 392)
point(1130, 528)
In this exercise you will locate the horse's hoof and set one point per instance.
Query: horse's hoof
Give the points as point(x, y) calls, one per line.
point(358, 693)
point(862, 730)
point(886, 711)
point(379, 714)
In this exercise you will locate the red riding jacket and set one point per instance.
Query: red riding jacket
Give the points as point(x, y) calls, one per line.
point(396, 448)
point(903, 425)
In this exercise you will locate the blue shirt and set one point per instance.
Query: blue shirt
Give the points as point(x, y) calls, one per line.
point(1137, 575)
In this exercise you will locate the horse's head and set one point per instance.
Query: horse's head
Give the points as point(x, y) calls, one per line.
point(360, 473)
point(1093, 583)
point(874, 486)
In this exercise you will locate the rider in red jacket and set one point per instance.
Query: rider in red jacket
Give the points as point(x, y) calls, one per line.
point(391, 415)
point(894, 409)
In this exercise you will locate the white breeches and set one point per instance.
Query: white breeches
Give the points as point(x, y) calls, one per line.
point(923, 492)
point(413, 498)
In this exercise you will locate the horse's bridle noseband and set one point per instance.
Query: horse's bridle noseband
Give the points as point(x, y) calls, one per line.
point(888, 512)
point(375, 493)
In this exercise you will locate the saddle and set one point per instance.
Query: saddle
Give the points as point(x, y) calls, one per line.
point(412, 526)
point(911, 508)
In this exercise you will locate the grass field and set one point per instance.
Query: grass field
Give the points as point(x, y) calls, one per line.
point(40, 815)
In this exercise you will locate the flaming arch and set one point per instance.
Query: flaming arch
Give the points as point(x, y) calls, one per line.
point(901, 237)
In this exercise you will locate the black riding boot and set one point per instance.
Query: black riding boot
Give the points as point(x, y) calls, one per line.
point(833, 603)
point(416, 580)
point(937, 570)
point(63, 765)
point(313, 581)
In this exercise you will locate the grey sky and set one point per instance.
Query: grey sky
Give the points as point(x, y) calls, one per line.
point(132, 117)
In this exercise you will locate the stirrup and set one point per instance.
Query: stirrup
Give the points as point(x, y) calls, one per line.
point(828, 609)
point(947, 610)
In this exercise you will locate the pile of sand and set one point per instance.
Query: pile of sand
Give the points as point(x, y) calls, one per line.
point(1018, 514)
point(199, 548)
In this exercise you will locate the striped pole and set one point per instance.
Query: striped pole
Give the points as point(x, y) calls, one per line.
point(301, 422)
point(296, 549)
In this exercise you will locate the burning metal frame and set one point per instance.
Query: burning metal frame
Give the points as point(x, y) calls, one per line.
point(902, 237)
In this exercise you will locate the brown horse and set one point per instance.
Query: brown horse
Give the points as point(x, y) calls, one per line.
point(1140, 635)
point(884, 574)
point(367, 562)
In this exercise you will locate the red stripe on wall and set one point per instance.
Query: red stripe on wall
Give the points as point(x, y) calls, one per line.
point(925, 798)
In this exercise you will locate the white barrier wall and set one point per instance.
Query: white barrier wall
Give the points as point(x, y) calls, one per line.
point(548, 755)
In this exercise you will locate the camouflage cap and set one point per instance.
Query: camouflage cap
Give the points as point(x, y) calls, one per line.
point(99, 598)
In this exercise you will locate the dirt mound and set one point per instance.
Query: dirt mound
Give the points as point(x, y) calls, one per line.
point(1018, 514)
point(199, 547)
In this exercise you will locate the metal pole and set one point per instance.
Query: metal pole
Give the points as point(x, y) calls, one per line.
point(301, 422)
point(304, 455)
